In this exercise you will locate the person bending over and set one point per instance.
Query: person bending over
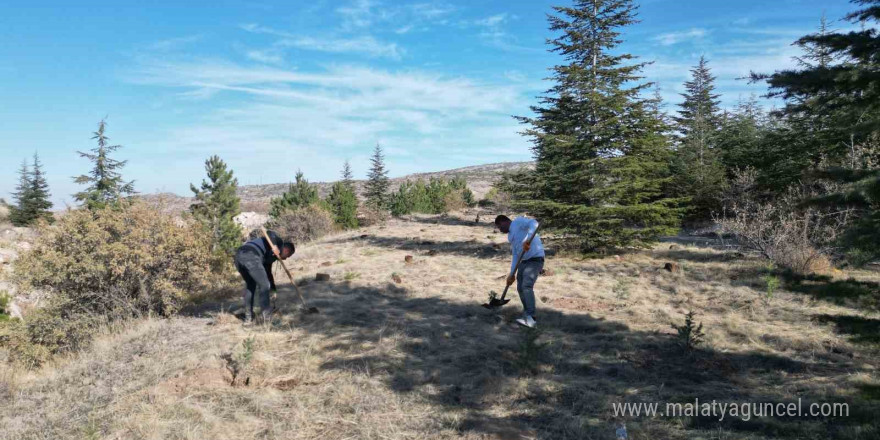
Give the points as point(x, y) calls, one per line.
point(253, 260)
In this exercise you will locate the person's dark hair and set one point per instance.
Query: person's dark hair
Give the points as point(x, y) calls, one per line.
point(289, 245)
point(501, 218)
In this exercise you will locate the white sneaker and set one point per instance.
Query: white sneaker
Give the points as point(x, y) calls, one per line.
point(527, 321)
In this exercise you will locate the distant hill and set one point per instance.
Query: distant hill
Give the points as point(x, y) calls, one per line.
point(480, 179)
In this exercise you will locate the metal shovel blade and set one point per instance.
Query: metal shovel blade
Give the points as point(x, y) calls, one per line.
point(495, 303)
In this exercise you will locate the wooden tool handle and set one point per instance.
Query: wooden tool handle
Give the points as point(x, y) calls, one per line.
point(286, 270)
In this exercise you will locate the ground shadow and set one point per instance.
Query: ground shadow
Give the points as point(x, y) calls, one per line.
point(468, 248)
point(850, 292)
point(463, 358)
point(698, 257)
point(861, 330)
point(448, 220)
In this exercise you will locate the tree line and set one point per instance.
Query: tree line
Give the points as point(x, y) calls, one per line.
point(613, 170)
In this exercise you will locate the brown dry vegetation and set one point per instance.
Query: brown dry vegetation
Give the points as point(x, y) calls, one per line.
point(404, 351)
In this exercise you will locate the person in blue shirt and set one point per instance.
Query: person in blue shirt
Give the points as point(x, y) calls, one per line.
point(518, 232)
point(253, 260)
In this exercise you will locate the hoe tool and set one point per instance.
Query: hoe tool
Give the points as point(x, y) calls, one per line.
point(306, 309)
point(494, 301)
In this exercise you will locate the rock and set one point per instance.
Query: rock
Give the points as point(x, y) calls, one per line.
point(547, 272)
point(423, 230)
point(322, 277)
point(326, 263)
point(396, 278)
point(251, 220)
point(674, 247)
point(617, 258)
point(365, 235)
point(672, 267)
point(432, 252)
point(408, 259)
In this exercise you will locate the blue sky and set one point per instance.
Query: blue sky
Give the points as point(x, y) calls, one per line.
point(276, 86)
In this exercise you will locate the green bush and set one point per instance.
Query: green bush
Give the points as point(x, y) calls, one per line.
point(131, 260)
point(434, 197)
point(344, 205)
point(298, 195)
point(46, 332)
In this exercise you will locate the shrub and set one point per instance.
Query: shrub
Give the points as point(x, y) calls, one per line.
point(368, 216)
point(303, 224)
point(132, 260)
point(434, 197)
point(298, 195)
point(786, 230)
point(50, 330)
point(343, 204)
point(454, 201)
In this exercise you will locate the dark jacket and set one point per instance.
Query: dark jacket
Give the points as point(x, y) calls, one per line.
point(259, 248)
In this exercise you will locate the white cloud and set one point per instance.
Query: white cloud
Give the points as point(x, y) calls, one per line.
point(366, 45)
point(264, 56)
point(671, 38)
point(174, 43)
point(317, 118)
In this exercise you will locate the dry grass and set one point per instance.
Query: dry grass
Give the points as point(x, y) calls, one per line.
point(419, 358)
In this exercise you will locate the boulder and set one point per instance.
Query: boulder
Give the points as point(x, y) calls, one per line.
point(322, 277)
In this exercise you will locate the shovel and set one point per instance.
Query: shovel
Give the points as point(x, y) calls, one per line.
point(494, 301)
point(306, 309)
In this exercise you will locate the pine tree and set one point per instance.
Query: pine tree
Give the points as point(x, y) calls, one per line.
point(105, 183)
point(699, 173)
point(600, 148)
point(299, 194)
point(18, 212)
point(376, 190)
point(217, 204)
point(347, 175)
point(343, 204)
point(833, 100)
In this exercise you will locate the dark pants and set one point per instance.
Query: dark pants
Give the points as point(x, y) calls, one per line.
point(525, 283)
point(250, 266)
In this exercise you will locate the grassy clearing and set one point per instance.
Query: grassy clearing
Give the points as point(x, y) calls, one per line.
point(403, 350)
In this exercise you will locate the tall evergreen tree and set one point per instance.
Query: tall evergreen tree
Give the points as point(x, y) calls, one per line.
point(600, 149)
point(105, 183)
point(31, 195)
point(699, 174)
point(299, 194)
point(18, 214)
point(377, 185)
point(217, 204)
point(834, 97)
point(347, 175)
point(831, 98)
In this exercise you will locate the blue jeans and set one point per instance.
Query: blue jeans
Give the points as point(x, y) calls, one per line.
point(525, 283)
